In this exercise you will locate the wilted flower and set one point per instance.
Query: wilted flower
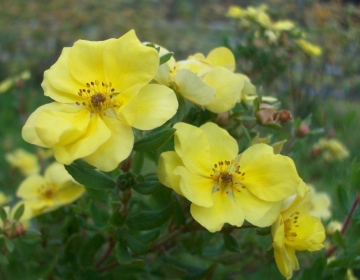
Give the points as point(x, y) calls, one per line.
point(225, 187)
point(295, 230)
point(101, 91)
point(309, 48)
point(26, 162)
point(49, 192)
point(268, 114)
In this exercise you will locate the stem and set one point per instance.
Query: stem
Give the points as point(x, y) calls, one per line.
point(346, 224)
point(289, 145)
point(107, 253)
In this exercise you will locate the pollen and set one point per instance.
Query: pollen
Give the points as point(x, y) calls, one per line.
point(98, 97)
point(291, 226)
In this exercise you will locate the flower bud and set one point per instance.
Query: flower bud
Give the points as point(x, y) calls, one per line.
point(302, 130)
point(13, 229)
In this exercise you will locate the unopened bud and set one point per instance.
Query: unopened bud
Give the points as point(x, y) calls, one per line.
point(13, 229)
point(283, 116)
point(302, 130)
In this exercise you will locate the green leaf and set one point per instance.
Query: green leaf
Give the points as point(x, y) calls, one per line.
point(116, 219)
point(338, 239)
point(9, 245)
point(123, 256)
point(181, 111)
point(164, 58)
point(138, 163)
point(19, 212)
point(172, 272)
point(246, 133)
point(316, 270)
point(85, 224)
point(278, 146)
point(99, 216)
point(247, 118)
point(147, 220)
point(154, 140)
point(231, 243)
point(316, 131)
point(263, 231)
point(355, 174)
point(89, 249)
point(256, 104)
point(179, 216)
point(136, 245)
point(90, 178)
point(3, 214)
point(342, 198)
point(147, 187)
point(44, 269)
point(3, 259)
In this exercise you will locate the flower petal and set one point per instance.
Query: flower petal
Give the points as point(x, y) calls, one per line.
point(224, 210)
point(151, 107)
point(193, 148)
point(117, 148)
point(195, 188)
point(257, 212)
point(271, 177)
point(222, 145)
point(222, 57)
point(191, 87)
point(69, 193)
point(28, 189)
point(62, 126)
point(168, 161)
point(86, 61)
point(228, 87)
point(57, 174)
point(29, 131)
point(96, 134)
point(127, 62)
point(58, 82)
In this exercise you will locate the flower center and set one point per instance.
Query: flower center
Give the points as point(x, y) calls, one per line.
point(47, 191)
point(98, 98)
point(227, 177)
point(291, 226)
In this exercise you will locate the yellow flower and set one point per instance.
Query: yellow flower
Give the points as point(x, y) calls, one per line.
point(333, 149)
point(101, 91)
point(309, 48)
point(26, 162)
point(216, 70)
point(178, 76)
point(333, 226)
point(319, 203)
point(225, 187)
point(295, 230)
point(236, 12)
point(46, 193)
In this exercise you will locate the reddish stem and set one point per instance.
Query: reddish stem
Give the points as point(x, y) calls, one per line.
point(346, 224)
point(107, 253)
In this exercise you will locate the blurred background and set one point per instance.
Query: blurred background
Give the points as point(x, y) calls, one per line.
point(33, 33)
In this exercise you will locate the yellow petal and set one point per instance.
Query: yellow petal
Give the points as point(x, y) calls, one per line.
point(28, 188)
point(61, 126)
point(59, 84)
point(193, 148)
point(117, 148)
point(219, 138)
point(163, 76)
point(69, 193)
point(257, 212)
point(151, 107)
point(228, 87)
point(271, 177)
point(127, 62)
point(224, 210)
point(195, 188)
point(253, 152)
point(222, 57)
point(86, 61)
point(29, 132)
point(96, 134)
point(191, 87)
point(57, 174)
point(168, 161)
